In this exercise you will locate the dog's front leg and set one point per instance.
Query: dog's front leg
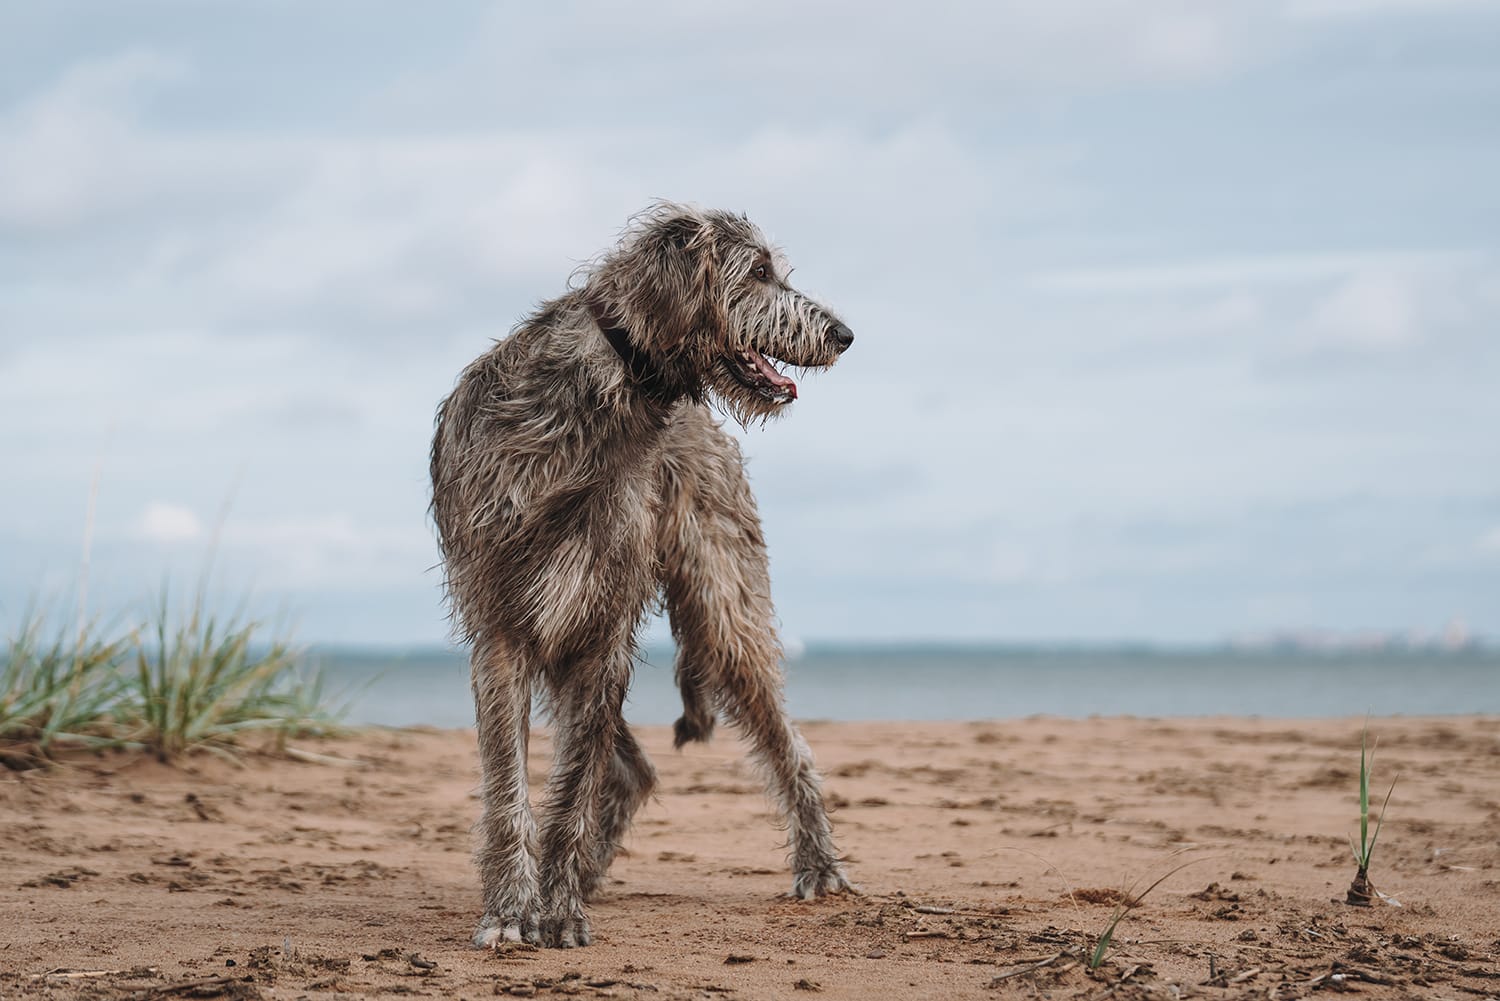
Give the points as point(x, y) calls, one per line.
point(506, 853)
point(753, 694)
point(717, 583)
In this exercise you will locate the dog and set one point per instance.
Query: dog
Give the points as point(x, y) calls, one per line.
point(579, 476)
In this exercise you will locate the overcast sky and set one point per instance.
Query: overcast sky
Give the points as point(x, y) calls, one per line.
point(1176, 320)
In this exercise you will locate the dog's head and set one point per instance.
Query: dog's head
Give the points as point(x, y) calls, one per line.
point(704, 297)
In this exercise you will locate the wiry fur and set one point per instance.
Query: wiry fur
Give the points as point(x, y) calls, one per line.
point(574, 484)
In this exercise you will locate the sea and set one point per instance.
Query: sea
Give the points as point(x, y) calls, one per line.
point(430, 687)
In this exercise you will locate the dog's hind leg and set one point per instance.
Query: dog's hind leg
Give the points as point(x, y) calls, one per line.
point(506, 854)
point(627, 787)
point(588, 724)
point(718, 591)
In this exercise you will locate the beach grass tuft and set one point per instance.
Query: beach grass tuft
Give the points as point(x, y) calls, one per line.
point(57, 688)
point(172, 685)
point(203, 681)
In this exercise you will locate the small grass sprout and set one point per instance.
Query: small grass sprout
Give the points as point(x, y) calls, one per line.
point(1093, 959)
point(1361, 892)
point(1129, 901)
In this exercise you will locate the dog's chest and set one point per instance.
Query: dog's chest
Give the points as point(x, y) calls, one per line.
point(594, 567)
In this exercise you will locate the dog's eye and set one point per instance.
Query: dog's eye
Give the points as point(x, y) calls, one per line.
point(760, 272)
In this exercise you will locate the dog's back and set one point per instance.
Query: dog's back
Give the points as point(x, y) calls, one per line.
point(541, 482)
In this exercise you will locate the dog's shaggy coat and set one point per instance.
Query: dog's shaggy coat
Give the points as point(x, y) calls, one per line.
point(578, 475)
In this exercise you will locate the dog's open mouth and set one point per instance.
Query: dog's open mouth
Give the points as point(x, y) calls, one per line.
point(759, 374)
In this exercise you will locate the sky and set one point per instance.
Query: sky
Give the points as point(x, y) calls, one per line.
point(1175, 321)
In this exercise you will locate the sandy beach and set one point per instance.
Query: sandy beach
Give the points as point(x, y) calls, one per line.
point(990, 855)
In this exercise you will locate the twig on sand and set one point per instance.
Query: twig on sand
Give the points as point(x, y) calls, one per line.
point(960, 912)
point(1341, 974)
point(63, 974)
point(1031, 967)
point(314, 758)
point(1223, 979)
point(196, 988)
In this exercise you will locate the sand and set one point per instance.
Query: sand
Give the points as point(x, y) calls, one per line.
point(991, 855)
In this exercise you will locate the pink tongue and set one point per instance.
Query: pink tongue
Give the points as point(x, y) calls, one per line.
point(774, 377)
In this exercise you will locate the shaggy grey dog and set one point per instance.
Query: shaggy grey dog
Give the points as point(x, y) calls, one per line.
point(578, 476)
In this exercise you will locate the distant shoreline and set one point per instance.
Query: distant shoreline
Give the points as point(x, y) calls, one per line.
point(431, 687)
point(1480, 646)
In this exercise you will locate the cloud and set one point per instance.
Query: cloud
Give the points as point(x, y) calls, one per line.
point(1369, 311)
point(843, 62)
point(1379, 312)
point(393, 233)
point(1247, 270)
point(1489, 542)
point(1310, 313)
point(168, 523)
point(335, 551)
point(1321, 9)
point(72, 154)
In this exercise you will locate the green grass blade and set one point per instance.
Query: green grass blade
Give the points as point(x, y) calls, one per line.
point(1379, 822)
point(59, 691)
point(1106, 937)
point(1364, 798)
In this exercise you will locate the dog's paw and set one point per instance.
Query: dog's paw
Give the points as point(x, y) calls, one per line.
point(496, 930)
point(566, 929)
point(689, 729)
point(820, 881)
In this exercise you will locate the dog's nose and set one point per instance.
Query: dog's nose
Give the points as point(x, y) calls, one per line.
point(842, 336)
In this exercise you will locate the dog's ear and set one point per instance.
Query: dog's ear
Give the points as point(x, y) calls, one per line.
point(662, 280)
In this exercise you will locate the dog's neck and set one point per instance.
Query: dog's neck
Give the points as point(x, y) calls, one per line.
point(648, 376)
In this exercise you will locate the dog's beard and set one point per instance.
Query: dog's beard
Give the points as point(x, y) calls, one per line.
point(752, 386)
point(743, 404)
